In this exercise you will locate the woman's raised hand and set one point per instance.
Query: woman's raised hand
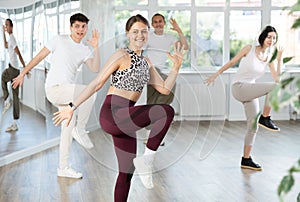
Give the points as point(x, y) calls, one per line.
point(64, 114)
point(211, 79)
point(178, 54)
point(280, 50)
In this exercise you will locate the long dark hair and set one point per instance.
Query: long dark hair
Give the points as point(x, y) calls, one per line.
point(264, 34)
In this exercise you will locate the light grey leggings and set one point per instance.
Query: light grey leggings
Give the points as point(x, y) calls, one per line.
point(248, 94)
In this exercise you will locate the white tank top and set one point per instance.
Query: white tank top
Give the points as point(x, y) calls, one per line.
point(250, 68)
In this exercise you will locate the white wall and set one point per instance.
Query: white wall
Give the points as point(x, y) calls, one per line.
point(101, 18)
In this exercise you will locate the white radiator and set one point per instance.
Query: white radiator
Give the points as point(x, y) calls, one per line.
point(201, 100)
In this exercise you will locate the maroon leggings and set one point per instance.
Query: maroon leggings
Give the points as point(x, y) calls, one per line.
point(120, 118)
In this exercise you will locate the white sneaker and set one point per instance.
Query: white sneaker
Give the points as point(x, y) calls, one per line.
point(68, 172)
point(82, 138)
point(12, 128)
point(144, 171)
point(6, 107)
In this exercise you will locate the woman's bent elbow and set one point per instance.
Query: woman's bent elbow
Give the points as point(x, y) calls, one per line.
point(166, 92)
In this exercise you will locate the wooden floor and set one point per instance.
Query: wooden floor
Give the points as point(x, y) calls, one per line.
point(200, 162)
point(33, 129)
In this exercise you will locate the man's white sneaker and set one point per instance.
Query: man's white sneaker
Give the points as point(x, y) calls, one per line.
point(68, 172)
point(144, 171)
point(5, 107)
point(82, 138)
point(12, 128)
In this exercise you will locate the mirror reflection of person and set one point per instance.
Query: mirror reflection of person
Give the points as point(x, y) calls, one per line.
point(254, 60)
point(11, 72)
point(130, 71)
point(68, 54)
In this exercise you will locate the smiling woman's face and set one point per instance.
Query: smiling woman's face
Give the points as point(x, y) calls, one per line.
point(138, 35)
point(270, 40)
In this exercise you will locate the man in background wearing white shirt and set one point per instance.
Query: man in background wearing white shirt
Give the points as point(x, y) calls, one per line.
point(159, 43)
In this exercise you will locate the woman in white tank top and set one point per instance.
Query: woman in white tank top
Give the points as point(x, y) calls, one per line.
point(254, 60)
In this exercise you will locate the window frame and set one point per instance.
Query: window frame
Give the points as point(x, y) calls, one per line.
point(152, 7)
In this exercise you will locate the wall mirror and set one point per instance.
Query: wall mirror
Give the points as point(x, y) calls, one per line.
point(34, 23)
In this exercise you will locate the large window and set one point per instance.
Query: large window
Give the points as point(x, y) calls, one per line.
point(39, 33)
point(174, 3)
point(289, 38)
point(130, 2)
point(209, 39)
point(245, 3)
point(283, 3)
point(210, 3)
point(244, 29)
point(3, 16)
point(51, 19)
point(217, 29)
point(25, 46)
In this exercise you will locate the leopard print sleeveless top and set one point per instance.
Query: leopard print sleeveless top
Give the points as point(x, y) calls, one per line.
point(135, 77)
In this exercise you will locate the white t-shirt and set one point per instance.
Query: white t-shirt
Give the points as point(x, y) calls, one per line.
point(250, 68)
point(67, 56)
point(13, 57)
point(157, 48)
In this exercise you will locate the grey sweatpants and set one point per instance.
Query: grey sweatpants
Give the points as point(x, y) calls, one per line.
point(248, 94)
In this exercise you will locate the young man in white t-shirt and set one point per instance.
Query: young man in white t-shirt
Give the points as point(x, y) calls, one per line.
point(68, 54)
point(159, 43)
point(11, 72)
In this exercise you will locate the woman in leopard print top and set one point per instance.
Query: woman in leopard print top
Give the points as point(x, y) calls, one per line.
point(120, 117)
point(133, 78)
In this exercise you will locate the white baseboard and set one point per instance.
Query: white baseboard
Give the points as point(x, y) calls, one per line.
point(15, 156)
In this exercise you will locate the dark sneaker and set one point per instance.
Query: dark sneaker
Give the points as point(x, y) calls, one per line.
point(247, 163)
point(267, 123)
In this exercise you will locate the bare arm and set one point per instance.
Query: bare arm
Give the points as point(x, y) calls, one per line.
point(19, 55)
point(182, 38)
point(110, 66)
point(275, 71)
point(18, 81)
point(242, 53)
point(165, 86)
point(4, 38)
point(94, 63)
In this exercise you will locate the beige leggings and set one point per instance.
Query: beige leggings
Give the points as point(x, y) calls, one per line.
point(248, 94)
